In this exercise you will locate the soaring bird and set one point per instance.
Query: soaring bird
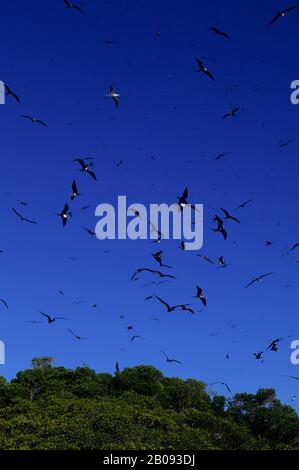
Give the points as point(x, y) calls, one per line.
point(65, 214)
point(170, 360)
point(286, 144)
point(75, 191)
point(228, 216)
point(273, 346)
point(204, 69)
point(220, 227)
point(75, 335)
point(153, 271)
point(222, 155)
point(52, 319)
point(231, 113)
point(158, 257)
point(108, 42)
point(73, 5)
point(258, 279)
point(199, 295)
point(244, 204)
point(222, 383)
point(206, 258)
point(281, 14)
point(222, 263)
point(217, 32)
point(34, 120)
point(183, 201)
point(114, 95)
point(12, 93)
point(258, 355)
point(23, 219)
point(85, 167)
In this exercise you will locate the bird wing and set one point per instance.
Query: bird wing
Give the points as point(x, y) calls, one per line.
point(78, 8)
point(116, 101)
point(225, 212)
point(266, 275)
point(41, 122)
point(17, 213)
point(4, 303)
point(26, 117)
point(274, 19)
point(81, 161)
point(290, 9)
point(91, 173)
point(163, 302)
point(164, 354)
point(200, 63)
point(295, 246)
point(74, 187)
point(46, 316)
point(29, 221)
point(209, 74)
point(250, 283)
point(185, 193)
point(223, 383)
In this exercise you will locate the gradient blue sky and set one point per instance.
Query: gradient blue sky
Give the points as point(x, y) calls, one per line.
point(53, 58)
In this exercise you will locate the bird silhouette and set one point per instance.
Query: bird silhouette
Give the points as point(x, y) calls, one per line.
point(281, 14)
point(170, 360)
point(52, 319)
point(204, 69)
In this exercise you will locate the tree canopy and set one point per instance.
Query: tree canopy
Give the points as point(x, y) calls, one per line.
point(49, 407)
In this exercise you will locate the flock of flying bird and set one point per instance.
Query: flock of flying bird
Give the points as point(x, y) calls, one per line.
point(221, 218)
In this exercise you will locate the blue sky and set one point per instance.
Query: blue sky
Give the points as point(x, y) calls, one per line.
point(53, 58)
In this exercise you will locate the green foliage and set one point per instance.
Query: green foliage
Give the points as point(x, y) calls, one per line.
point(42, 362)
point(50, 407)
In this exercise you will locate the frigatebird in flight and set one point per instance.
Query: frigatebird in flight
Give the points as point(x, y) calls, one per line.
point(220, 227)
point(222, 383)
point(273, 346)
point(199, 295)
point(258, 279)
point(23, 219)
point(231, 113)
point(218, 32)
point(153, 271)
point(114, 95)
point(75, 191)
point(228, 216)
point(158, 257)
point(170, 360)
point(73, 5)
point(244, 204)
point(281, 14)
point(65, 214)
point(52, 319)
point(75, 335)
point(204, 69)
point(85, 167)
point(34, 120)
